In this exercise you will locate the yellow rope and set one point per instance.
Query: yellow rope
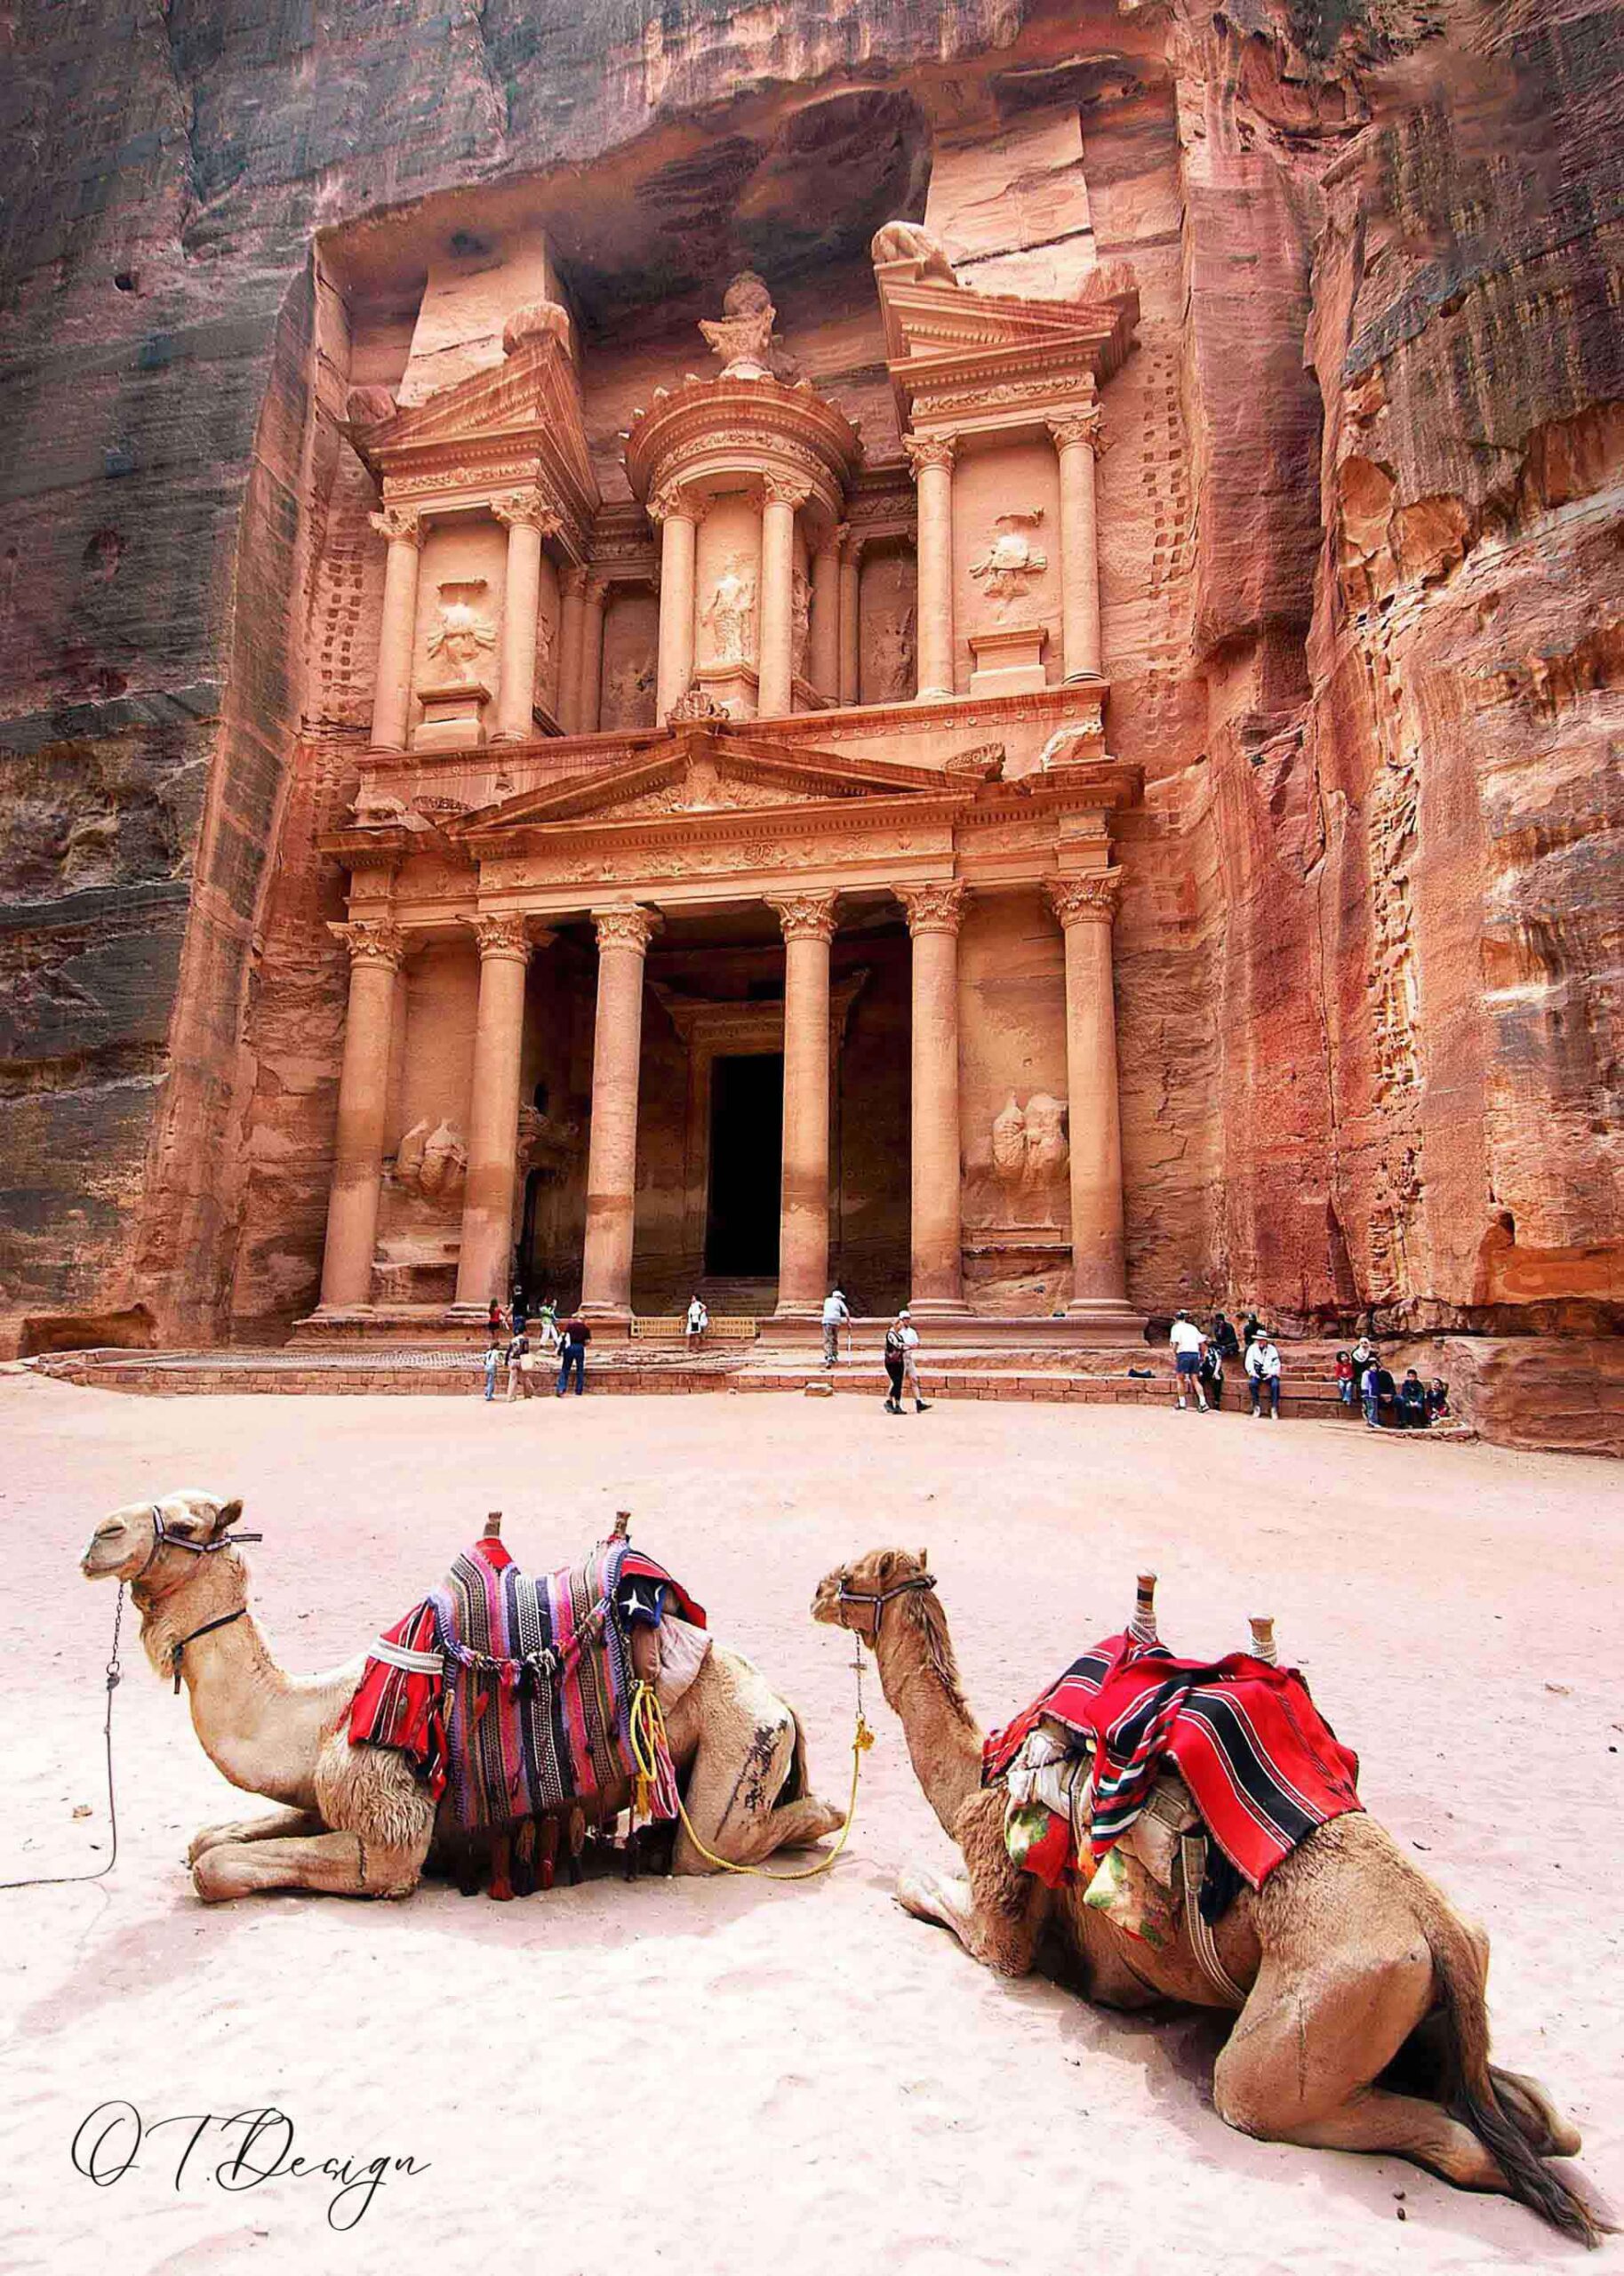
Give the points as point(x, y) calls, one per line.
point(648, 1737)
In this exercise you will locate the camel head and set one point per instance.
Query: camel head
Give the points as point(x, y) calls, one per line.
point(160, 1544)
point(855, 1596)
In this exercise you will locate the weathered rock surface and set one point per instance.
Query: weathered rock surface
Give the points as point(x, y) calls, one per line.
point(1360, 536)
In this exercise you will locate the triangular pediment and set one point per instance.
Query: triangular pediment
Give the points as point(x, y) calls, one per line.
point(700, 772)
point(941, 336)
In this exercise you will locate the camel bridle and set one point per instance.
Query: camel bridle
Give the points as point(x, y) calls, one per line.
point(161, 1538)
point(880, 1598)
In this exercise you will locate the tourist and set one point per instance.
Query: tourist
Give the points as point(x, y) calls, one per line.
point(1412, 1402)
point(520, 1312)
point(1438, 1400)
point(1250, 1330)
point(696, 1323)
point(518, 1360)
point(836, 1316)
point(1362, 1354)
point(896, 1361)
point(1211, 1376)
point(492, 1358)
point(1386, 1394)
point(548, 1327)
point(1187, 1343)
point(494, 1322)
point(910, 1361)
point(1346, 1383)
point(575, 1336)
point(1227, 1342)
point(1263, 1373)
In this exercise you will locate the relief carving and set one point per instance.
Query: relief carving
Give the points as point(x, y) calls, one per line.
point(628, 695)
point(800, 619)
point(1021, 1181)
point(463, 634)
point(547, 1141)
point(432, 1161)
point(891, 657)
point(730, 615)
point(907, 241)
point(742, 336)
point(1011, 563)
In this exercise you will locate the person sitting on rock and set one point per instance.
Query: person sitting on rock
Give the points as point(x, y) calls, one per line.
point(1438, 1400)
point(1412, 1402)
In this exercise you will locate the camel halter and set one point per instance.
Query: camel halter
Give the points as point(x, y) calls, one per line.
point(161, 1538)
point(880, 1598)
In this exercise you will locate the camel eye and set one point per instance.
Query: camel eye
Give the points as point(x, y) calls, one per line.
point(105, 1533)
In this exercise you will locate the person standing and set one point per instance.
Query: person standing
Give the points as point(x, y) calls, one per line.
point(518, 1352)
point(575, 1336)
point(1263, 1373)
point(1367, 1365)
point(896, 1360)
point(1211, 1376)
point(696, 1323)
point(546, 1329)
point(910, 1361)
point(836, 1316)
point(1249, 1330)
point(1187, 1343)
point(492, 1358)
point(494, 1322)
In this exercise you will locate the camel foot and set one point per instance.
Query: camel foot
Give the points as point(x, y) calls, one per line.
point(277, 1824)
point(329, 1864)
point(1536, 2117)
point(934, 1896)
point(799, 1825)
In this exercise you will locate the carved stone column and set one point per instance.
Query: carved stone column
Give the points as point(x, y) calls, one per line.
point(808, 922)
point(571, 636)
point(825, 658)
point(934, 912)
point(678, 515)
point(611, 1156)
point(931, 456)
point(591, 656)
point(494, 1111)
point(376, 950)
point(1076, 438)
point(851, 615)
point(402, 526)
point(775, 649)
point(527, 521)
point(1085, 906)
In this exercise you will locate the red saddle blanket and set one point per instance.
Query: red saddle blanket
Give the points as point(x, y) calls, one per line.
point(1262, 1765)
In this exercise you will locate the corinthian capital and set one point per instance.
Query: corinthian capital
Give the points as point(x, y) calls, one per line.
point(806, 916)
point(1090, 899)
point(624, 929)
point(933, 907)
point(1086, 427)
point(527, 507)
point(784, 490)
point(930, 450)
point(372, 939)
point(400, 525)
point(500, 936)
point(675, 501)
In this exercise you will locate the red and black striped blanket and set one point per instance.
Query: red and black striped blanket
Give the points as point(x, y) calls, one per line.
point(1262, 1765)
point(516, 1692)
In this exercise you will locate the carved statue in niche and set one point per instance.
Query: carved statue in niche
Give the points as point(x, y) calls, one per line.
point(730, 615)
point(628, 695)
point(463, 634)
point(891, 655)
point(1028, 1164)
point(545, 669)
point(800, 618)
point(432, 1161)
point(1011, 562)
point(907, 241)
point(742, 336)
point(548, 1143)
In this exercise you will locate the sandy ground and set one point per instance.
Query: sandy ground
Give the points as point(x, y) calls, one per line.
point(719, 2077)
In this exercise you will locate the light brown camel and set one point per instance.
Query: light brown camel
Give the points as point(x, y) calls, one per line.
point(1364, 2024)
point(356, 1821)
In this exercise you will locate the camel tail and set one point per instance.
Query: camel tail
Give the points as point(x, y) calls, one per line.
point(1473, 2098)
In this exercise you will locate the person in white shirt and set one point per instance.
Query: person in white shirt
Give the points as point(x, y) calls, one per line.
point(696, 1323)
point(903, 1363)
point(834, 1317)
point(1187, 1343)
point(1263, 1373)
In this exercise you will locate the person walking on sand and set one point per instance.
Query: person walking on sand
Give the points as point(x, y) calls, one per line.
point(519, 1355)
point(492, 1358)
point(576, 1335)
point(896, 1360)
point(835, 1315)
point(1187, 1343)
point(1263, 1373)
point(910, 1362)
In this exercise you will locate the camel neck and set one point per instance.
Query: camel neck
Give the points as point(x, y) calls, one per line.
point(919, 1677)
point(236, 1693)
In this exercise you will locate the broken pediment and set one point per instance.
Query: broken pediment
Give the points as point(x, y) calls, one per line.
point(951, 350)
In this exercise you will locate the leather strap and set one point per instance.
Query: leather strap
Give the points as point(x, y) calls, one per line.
point(1192, 1858)
point(208, 1628)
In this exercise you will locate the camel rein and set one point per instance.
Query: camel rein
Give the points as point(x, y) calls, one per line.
point(880, 1598)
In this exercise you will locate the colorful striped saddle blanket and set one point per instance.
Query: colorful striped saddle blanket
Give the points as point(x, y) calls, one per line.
point(1262, 1765)
point(515, 1692)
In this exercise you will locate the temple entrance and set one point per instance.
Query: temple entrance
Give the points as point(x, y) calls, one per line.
point(747, 1138)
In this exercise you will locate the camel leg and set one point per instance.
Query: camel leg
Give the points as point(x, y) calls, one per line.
point(329, 1864)
point(996, 1912)
point(732, 1792)
point(1298, 2065)
point(1423, 2067)
point(284, 1824)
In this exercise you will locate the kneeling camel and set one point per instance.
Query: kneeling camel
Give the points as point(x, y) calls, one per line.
point(1364, 2024)
point(356, 1821)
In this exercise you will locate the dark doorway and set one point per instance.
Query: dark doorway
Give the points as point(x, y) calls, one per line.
point(747, 1141)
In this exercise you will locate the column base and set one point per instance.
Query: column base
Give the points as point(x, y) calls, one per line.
point(1084, 679)
point(938, 1308)
point(464, 1310)
point(934, 695)
point(343, 1312)
point(606, 1315)
point(790, 1310)
point(1109, 1311)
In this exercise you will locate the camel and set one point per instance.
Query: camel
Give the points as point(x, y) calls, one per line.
point(1362, 2023)
point(356, 1821)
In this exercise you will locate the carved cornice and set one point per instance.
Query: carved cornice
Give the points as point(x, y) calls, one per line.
point(930, 450)
point(400, 525)
point(1085, 427)
point(806, 916)
point(782, 490)
point(624, 929)
point(1090, 899)
point(372, 941)
point(529, 508)
point(500, 937)
point(933, 907)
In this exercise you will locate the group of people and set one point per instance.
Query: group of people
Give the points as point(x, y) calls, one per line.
point(901, 1352)
point(1406, 1405)
point(511, 1343)
point(1200, 1356)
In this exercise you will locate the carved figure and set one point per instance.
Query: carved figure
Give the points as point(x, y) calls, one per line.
point(694, 704)
point(628, 695)
point(1348, 1958)
point(1012, 562)
point(1047, 1151)
point(730, 615)
point(892, 656)
point(372, 809)
point(907, 241)
point(742, 336)
point(1076, 740)
point(800, 619)
point(541, 320)
point(432, 1161)
point(462, 635)
point(1009, 1144)
point(358, 1821)
point(547, 1141)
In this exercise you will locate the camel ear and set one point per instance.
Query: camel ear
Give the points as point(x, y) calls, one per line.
point(925, 1560)
point(883, 1570)
point(227, 1518)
